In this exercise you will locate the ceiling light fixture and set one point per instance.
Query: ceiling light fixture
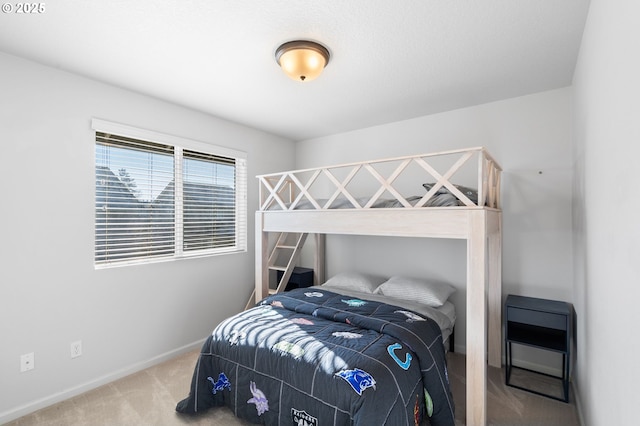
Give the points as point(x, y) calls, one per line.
point(302, 60)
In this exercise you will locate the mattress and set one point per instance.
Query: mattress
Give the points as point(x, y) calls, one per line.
point(437, 200)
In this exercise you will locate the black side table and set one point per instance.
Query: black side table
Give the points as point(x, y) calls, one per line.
point(540, 323)
point(300, 277)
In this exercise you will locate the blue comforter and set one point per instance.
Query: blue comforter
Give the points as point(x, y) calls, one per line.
point(313, 357)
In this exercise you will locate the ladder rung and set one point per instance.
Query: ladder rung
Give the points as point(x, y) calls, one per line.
point(273, 291)
point(278, 268)
point(286, 247)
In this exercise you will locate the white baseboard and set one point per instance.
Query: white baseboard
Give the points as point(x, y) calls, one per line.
point(41, 403)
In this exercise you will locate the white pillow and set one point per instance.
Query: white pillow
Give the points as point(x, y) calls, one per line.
point(428, 293)
point(356, 281)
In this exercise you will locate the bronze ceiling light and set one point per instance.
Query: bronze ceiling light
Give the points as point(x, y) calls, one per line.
point(302, 60)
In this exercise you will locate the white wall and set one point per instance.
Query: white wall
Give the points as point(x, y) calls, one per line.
point(50, 294)
point(526, 135)
point(607, 229)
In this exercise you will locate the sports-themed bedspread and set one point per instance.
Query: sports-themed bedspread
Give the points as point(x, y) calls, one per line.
point(313, 357)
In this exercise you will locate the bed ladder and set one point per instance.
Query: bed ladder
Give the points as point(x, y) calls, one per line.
point(287, 248)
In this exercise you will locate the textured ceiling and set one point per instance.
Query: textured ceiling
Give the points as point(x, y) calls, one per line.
point(391, 60)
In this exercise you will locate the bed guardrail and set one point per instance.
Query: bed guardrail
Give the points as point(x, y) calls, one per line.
point(287, 190)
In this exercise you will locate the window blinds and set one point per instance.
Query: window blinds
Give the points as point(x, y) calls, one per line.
point(159, 200)
point(209, 202)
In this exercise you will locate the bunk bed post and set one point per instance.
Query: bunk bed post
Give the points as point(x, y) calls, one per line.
point(494, 270)
point(262, 253)
point(319, 267)
point(477, 319)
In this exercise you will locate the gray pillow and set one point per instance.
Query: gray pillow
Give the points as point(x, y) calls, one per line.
point(470, 193)
point(357, 281)
point(430, 293)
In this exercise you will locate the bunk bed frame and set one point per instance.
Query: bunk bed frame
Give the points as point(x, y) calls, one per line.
point(480, 224)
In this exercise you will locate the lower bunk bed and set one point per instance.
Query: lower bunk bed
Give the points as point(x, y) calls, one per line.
point(329, 355)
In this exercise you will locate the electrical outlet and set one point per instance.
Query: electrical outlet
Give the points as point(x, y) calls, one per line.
point(27, 362)
point(76, 349)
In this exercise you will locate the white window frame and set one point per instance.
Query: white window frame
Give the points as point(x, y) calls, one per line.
point(180, 144)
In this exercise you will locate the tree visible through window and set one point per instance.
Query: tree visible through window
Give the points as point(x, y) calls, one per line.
point(156, 200)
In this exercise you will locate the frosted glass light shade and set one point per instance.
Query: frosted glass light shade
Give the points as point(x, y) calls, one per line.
point(302, 60)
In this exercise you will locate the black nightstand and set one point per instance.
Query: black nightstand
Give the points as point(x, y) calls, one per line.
point(300, 277)
point(540, 323)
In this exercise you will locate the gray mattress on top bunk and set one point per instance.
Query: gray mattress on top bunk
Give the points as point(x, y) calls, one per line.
point(442, 198)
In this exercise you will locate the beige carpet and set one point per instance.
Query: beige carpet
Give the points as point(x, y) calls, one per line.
point(150, 396)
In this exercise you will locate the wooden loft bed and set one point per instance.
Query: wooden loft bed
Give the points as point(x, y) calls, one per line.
point(288, 204)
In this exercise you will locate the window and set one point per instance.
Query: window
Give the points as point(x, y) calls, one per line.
point(161, 197)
